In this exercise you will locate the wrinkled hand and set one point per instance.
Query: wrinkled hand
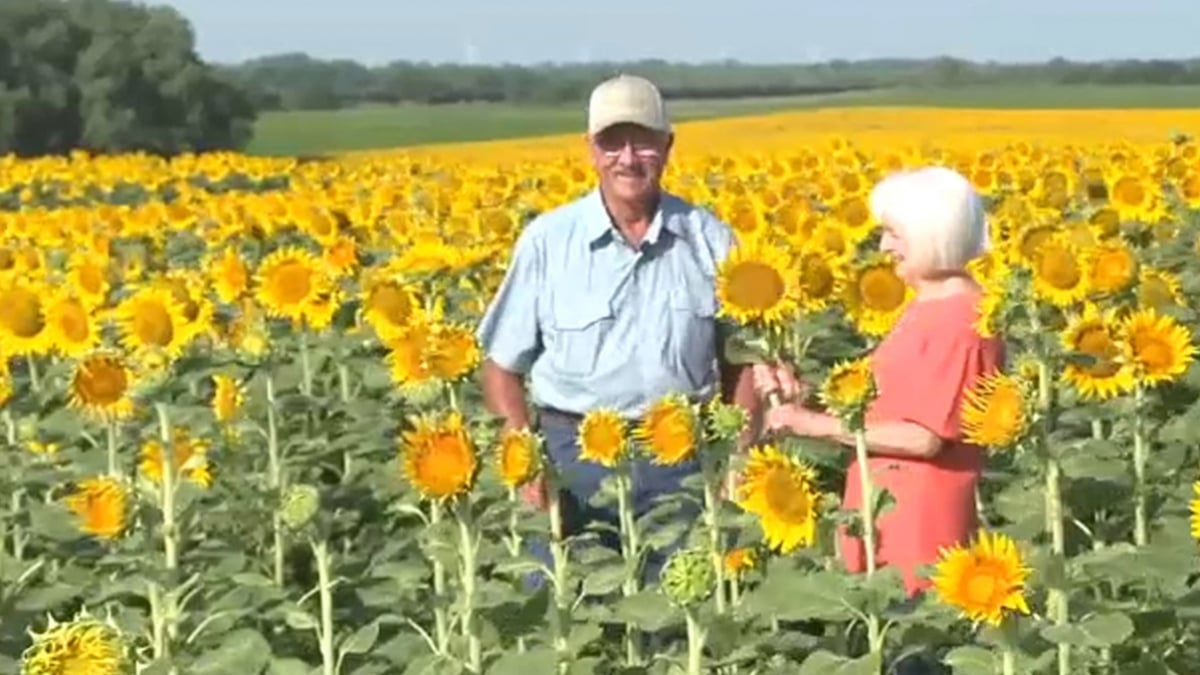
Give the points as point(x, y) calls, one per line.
point(792, 418)
point(777, 378)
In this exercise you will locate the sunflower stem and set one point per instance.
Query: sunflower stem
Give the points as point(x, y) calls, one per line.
point(467, 552)
point(1140, 530)
point(1007, 662)
point(629, 548)
point(114, 468)
point(712, 521)
point(170, 533)
point(695, 638)
point(18, 534)
point(275, 481)
point(562, 599)
point(35, 381)
point(440, 620)
point(344, 393)
point(1057, 598)
point(305, 364)
point(320, 550)
point(874, 634)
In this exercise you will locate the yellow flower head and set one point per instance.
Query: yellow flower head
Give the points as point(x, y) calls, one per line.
point(291, 283)
point(439, 457)
point(227, 398)
point(876, 296)
point(102, 506)
point(518, 458)
point(101, 384)
point(780, 490)
point(189, 457)
point(603, 438)
point(849, 387)
point(668, 431)
point(1092, 335)
point(1158, 347)
point(996, 411)
point(983, 581)
point(755, 285)
point(84, 646)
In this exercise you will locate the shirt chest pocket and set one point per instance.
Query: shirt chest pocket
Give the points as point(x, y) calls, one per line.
point(693, 333)
point(581, 323)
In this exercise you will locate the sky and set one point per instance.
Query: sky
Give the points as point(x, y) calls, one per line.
point(761, 31)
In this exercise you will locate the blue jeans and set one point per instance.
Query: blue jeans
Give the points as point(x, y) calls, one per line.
point(580, 481)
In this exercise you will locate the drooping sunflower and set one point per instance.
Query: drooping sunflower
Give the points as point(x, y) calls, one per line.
point(668, 432)
point(189, 458)
point(603, 438)
point(1158, 289)
point(83, 646)
point(101, 385)
point(439, 457)
point(780, 490)
point(849, 387)
point(1093, 334)
point(756, 286)
point(996, 411)
point(227, 398)
point(388, 305)
point(518, 457)
point(984, 581)
point(229, 276)
point(452, 353)
point(290, 282)
point(875, 296)
point(102, 506)
point(1158, 348)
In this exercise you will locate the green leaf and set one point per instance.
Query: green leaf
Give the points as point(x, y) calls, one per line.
point(604, 580)
point(1099, 630)
point(822, 662)
point(535, 661)
point(289, 667)
point(795, 595)
point(300, 620)
point(649, 610)
point(362, 640)
point(971, 660)
point(242, 651)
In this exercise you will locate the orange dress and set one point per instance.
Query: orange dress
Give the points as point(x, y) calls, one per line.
point(922, 369)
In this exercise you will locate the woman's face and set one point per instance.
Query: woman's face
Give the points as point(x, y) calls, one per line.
point(909, 264)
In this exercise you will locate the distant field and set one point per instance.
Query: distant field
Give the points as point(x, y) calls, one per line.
point(321, 132)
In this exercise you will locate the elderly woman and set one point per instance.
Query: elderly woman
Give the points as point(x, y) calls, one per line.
point(933, 223)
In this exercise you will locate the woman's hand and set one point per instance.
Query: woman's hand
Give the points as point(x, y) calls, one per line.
point(777, 378)
point(795, 419)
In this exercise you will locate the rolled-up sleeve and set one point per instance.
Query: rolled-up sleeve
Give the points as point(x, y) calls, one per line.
point(508, 333)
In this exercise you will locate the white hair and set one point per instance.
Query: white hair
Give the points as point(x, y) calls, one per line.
point(939, 213)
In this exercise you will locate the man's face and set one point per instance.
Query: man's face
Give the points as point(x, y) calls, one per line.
point(629, 159)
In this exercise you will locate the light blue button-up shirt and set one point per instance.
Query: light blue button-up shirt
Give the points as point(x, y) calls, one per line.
point(595, 322)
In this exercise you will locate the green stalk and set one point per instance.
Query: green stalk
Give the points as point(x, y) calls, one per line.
point(114, 464)
point(441, 621)
point(513, 541)
point(305, 364)
point(469, 571)
point(1058, 607)
point(629, 550)
point(170, 535)
point(321, 556)
point(874, 636)
point(562, 599)
point(1141, 534)
point(275, 480)
point(344, 392)
point(695, 637)
point(18, 534)
point(1007, 662)
point(712, 521)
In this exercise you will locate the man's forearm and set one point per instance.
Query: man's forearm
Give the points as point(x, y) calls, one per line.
point(504, 395)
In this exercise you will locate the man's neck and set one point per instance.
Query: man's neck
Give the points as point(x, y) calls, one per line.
point(632, 219)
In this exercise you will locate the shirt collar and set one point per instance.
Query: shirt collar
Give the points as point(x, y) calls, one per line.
point(600, 225)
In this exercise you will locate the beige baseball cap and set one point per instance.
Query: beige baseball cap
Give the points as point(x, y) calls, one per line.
point(627, 99)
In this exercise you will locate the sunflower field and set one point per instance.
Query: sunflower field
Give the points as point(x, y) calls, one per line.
point(244, 433)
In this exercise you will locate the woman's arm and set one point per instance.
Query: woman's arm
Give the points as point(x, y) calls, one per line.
point(900, 439)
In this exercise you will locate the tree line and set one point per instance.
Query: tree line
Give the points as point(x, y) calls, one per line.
point(114, 76)
point(297, 81)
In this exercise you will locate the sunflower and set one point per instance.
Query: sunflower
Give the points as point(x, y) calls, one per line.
point(518, 457)
point(87, 276)
point(1060, 274)
point(102, 506)
point(876, 296)
point(228, 397)
point(668, 430)
point(995, 411)
point(189, 458)
point(229, 276)
point(1158, 289)
point(1113, 267)
point(406, 355)
point(739, 561)
point(439, 457)
point(983, 581)
point(818, 280)
point(151, 321)
point(849, 387)
point(754, 285)
point(84, 646)
point(101, 384)
point(452, 353)
point(71, 326)
point(1158, 347)
point(1194, 508)
point(780, 490)
point(290, 282)
point(603, 438)
point(388, 305)
point(1092, 334)
point(23, 318)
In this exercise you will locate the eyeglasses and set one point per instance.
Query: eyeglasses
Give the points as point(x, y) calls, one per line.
point(641, 150)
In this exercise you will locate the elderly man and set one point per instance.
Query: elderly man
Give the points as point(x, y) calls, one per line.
point(609, 302)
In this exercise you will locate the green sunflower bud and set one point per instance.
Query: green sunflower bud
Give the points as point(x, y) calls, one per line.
point(688, 578)
point(423, 394)
point(726, 421)
point(300, 503)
